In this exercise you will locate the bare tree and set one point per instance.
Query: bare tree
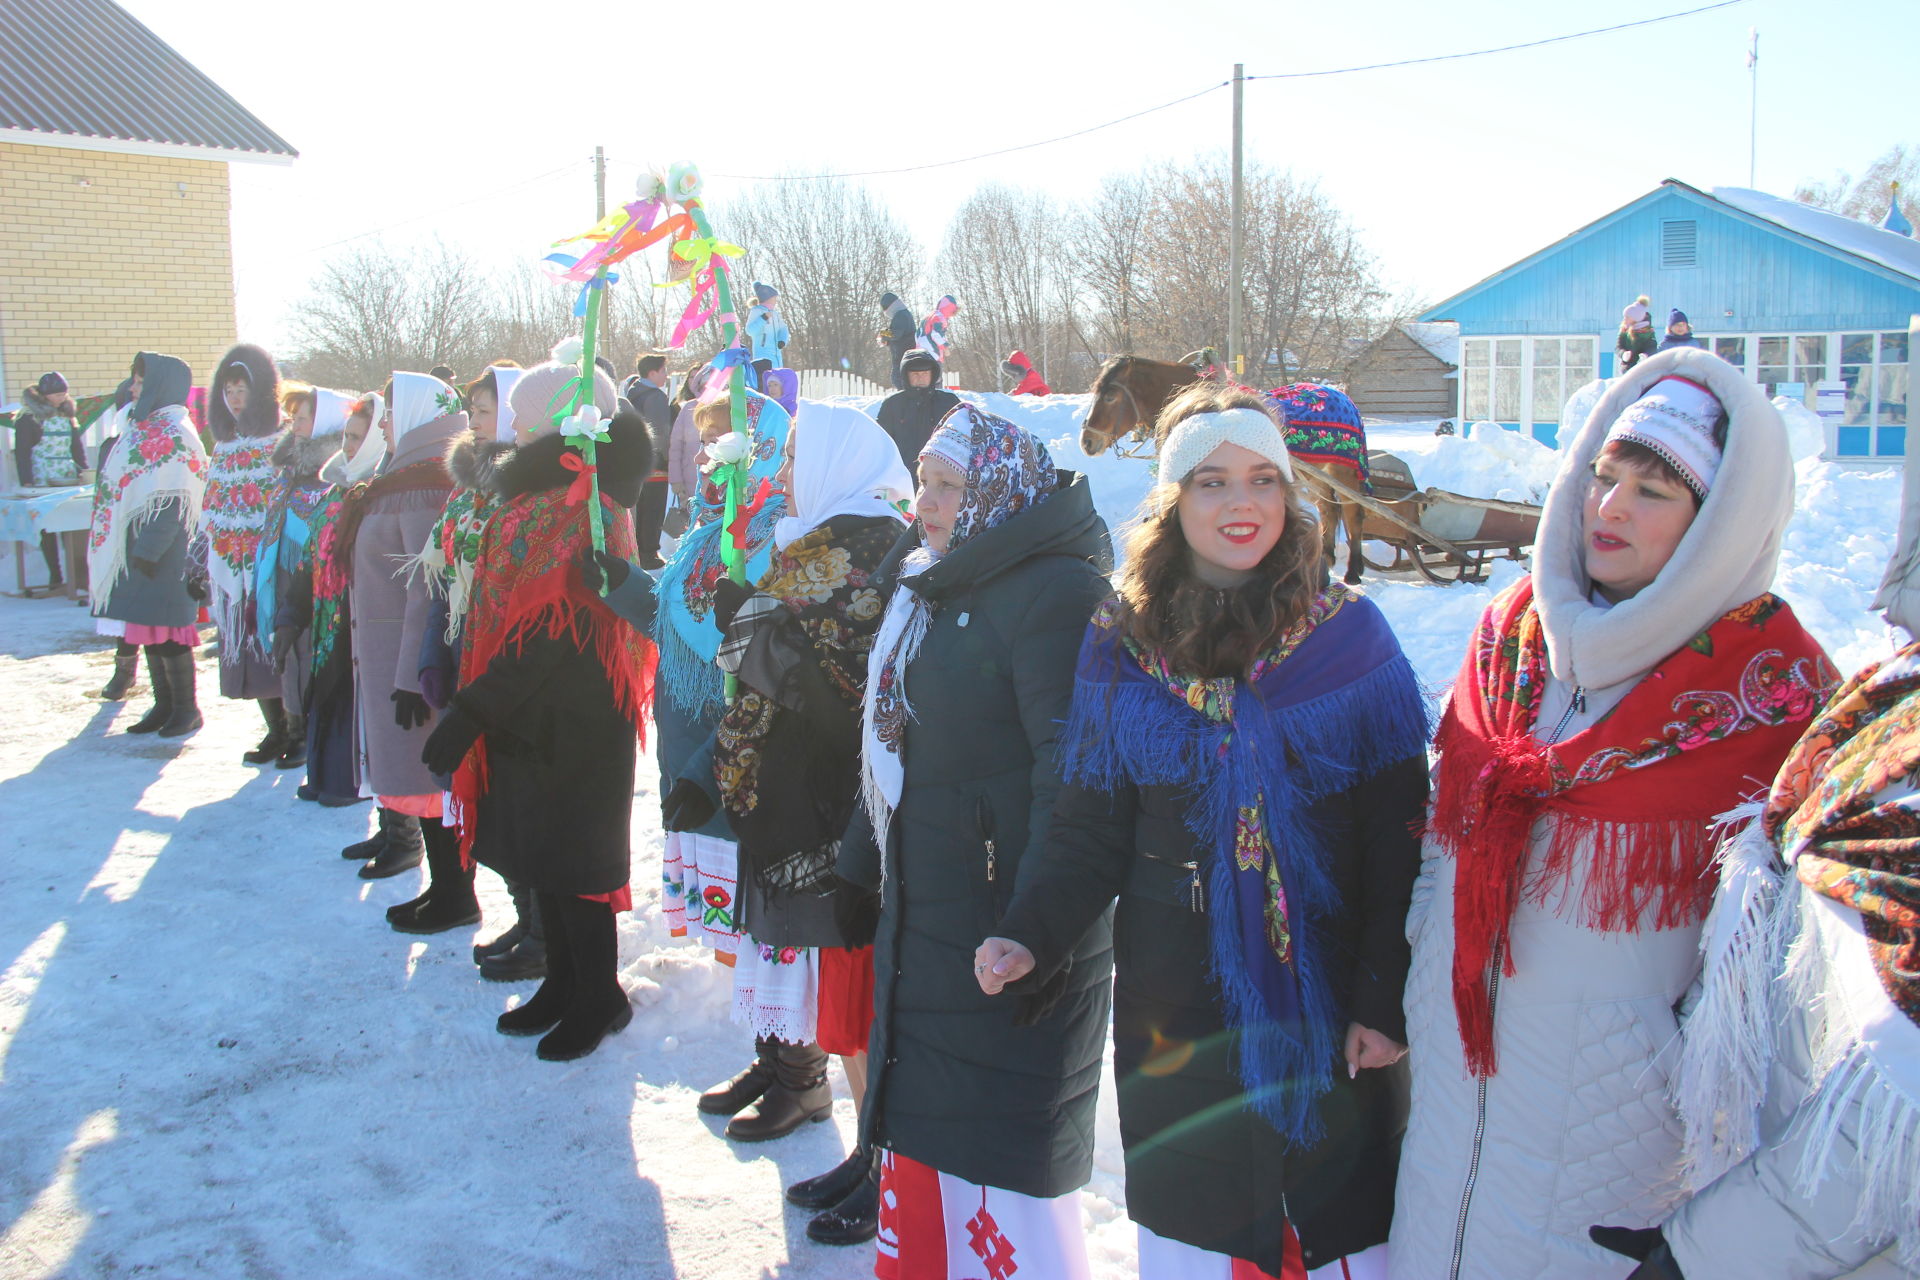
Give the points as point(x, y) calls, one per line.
point(1109, 243)
point(1867, 198)
point(375, 310)
point(1007, 261)
point(832, 250)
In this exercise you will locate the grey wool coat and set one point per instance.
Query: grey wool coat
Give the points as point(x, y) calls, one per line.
point(159, 598)
point(390, 602)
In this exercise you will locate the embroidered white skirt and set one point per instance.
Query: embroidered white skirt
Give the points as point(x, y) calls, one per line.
point(698, 883)
point(1164, 1259)
point(776, 990)
point(934, 1226)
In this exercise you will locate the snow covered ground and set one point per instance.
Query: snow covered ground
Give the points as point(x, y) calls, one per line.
point(217, 1060)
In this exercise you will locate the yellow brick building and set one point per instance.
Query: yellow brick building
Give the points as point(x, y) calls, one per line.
point(114, 231)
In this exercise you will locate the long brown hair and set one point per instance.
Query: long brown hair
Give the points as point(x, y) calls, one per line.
point(1161, 603)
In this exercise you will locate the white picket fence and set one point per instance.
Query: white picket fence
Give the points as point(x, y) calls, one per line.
point(816, 384)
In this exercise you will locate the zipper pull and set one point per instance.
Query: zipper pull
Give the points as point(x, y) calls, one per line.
point(989, 861)
point(1196, 896)
point(983, 816)
point(1579, 699)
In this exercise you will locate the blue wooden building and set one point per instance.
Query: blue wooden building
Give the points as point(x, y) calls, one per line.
point(1793, 295)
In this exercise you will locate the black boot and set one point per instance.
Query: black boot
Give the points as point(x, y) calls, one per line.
point(183, 717)
point(293, 755)
point(449, 902)
point(126, 665)
point(540, 1012)
point(501, 943)
point(274, 712)
point(598, 1006)
point(526, 958)
point(835, 1185)
point(370, 848)
point(403, 851)
point(856, 1219)
point(730, 1097)
point(162, 698)
point(799, 1095)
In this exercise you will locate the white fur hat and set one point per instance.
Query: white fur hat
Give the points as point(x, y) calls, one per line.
point(1198, 435)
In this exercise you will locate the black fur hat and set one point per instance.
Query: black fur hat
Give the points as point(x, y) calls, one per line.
point(245, 362)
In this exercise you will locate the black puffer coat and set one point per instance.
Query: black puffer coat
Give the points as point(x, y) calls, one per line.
point(1201, 1167)
point(953, 1082)
point(560, 755)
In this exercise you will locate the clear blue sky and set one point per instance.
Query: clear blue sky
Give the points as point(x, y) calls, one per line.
point(405, 112)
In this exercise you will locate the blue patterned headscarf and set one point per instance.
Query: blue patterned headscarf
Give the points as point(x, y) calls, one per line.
point(1007, 468)
point(683, 625)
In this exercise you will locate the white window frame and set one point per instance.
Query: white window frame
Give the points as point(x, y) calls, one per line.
point(1831, 373)
point(1530, 413)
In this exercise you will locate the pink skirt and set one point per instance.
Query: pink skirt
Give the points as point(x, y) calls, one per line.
point(140, 633)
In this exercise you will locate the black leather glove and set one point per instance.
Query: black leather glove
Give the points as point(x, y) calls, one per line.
point(410, 710)
point(450, 740)
point(688, 807)
point(284, 638)
point(856, 913)
point(196, 588)
point(1036, 1004)
point(728, 596)
point(148, 568)
point(1644, 1245)
point(600, 569)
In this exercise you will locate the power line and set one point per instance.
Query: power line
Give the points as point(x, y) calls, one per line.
point(984, 155)
point(1508, 48)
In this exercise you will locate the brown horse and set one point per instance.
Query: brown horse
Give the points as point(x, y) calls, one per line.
point(1127, 397)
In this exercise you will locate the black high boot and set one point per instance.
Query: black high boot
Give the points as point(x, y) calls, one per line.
point(543, 1009)
point(404, 848)
point(449, 901)
point(526, 958)
point(835, 1185)
point(799, 1095)
point(162, 698)
point(183, 717)
point(730, 1097)
point(370, 848)
point(274, 712)
point(293, 754)
point(126, 666)
point(598, 1006)
point(501, 943)
point(856, 1219)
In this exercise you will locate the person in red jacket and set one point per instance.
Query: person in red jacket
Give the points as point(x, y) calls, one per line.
point(1031, 383)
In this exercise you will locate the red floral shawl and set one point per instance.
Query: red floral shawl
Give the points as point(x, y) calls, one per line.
point(525, 584)
point(1637, 792)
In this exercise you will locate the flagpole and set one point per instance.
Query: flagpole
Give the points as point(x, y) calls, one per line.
point(1753, 107)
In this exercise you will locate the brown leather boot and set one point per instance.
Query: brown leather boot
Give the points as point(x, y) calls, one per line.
point(799, 1095)
point(730, 1097)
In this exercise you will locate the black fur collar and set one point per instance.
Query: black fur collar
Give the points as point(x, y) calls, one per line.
point(471, 460)
point(625, 461)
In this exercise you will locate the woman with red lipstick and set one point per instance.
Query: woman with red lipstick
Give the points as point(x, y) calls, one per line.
point(1642, 682)
point(1244, 758)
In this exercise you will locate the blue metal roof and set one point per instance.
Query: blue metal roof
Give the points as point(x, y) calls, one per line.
point(1745, 272)
point(89, 69)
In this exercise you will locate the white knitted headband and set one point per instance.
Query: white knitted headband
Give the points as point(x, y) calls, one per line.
point(1200, 434)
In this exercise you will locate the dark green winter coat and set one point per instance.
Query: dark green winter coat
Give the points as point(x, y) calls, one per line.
point(953, 1081)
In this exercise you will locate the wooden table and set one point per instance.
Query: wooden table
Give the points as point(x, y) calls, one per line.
point(66, 512)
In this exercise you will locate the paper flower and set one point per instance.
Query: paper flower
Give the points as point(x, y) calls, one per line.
point(585, 423)
point(650, 186)
point(683, 183)
point(568, 351)
point(729, 449)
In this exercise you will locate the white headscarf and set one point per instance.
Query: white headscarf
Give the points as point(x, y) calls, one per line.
point(373, 450)
point(504, 379)
point(331, 410)
point(419, 398)
point(843, 465)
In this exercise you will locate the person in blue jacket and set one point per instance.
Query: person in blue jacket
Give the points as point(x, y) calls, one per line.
point(767, 332)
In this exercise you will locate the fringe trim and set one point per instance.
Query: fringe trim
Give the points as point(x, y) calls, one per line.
point(873, 795)
point(1726, 1048)
point(106, 570)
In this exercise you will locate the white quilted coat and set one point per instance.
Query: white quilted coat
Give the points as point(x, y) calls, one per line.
point(1578, 1127)
point(1501, 1180)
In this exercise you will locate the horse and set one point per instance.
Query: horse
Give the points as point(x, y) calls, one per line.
point(1324, 431)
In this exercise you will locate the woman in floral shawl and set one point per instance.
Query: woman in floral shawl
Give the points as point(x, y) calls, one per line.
point(784, 760)
point(243, 481)
point(146, 509)
point(1640, 683)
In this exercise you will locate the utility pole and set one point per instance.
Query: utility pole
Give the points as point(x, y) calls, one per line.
point(1753, 106)
point(599, 182)
point(1236, 357)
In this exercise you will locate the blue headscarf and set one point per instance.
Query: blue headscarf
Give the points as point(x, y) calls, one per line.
point(683, 623)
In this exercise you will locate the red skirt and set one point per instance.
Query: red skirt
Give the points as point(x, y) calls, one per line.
point(846, 1000)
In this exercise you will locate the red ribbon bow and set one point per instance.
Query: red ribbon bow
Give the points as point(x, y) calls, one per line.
point(746, 511)
point(583, 482)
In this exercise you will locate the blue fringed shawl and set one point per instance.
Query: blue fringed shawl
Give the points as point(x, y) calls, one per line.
point(683, 624)
point(1341, 706)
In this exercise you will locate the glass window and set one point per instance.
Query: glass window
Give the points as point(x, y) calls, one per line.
point(1506, 352)
point(1810, 356)
point(1506, 391)
point(1546, 351)
point(1732, 350)
point(1547, 400)
point(1773, 351)
point(1856, 348)
point(1859, 380)
point(1476, 353)
point(1580, 357)
point(1893, 395)
point(1478, 406)
point(1893, 348)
